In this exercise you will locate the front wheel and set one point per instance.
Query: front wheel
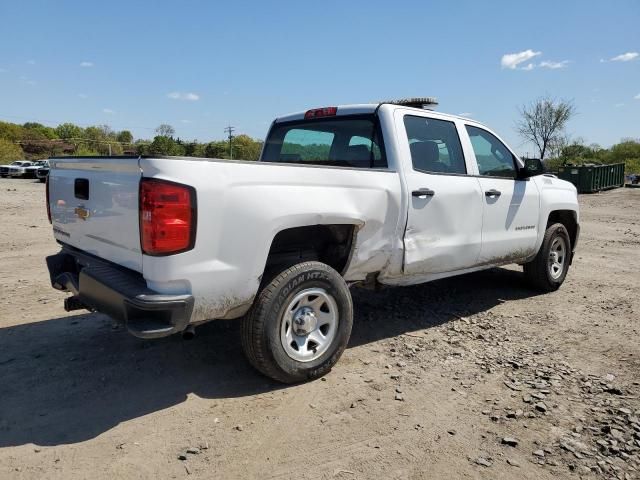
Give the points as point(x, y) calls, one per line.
point(549, 268)
point(299, 324)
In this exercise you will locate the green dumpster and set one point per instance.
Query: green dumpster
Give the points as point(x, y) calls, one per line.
point(593, 178)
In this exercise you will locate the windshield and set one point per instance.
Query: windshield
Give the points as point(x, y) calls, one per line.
point(348, 141)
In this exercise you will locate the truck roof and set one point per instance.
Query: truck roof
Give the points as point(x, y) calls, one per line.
point(359, 109)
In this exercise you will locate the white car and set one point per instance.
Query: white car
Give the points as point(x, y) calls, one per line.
point(31, 171)
point(7, 170)
point(387, 193)
point(24, 169)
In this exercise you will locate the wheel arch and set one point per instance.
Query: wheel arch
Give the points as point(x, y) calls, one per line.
point(331, 244)
point(568, 218)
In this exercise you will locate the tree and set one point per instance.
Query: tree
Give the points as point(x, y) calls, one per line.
point(69, 131)
point(544, 121)
point(246, 148)
point(102, 139)
point(10, 131)
point(558, 144)
point(85, 151)
point(163, 145)
point(125, 136)
point(9, 151)
point(219, 149)
point(41, 130)
point(628, 151)
point(165, 130)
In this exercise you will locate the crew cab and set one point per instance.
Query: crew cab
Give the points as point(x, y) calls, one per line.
point(377, 194)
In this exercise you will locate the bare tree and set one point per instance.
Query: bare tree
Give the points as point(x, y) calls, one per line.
point(544, 121)
point(165, 130)
point(557, 144)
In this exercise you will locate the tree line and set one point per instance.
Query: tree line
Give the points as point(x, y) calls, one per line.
point(576, 152)
point(543, 123)
point(35, 141)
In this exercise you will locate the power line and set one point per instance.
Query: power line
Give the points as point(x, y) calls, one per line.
point(230, 131)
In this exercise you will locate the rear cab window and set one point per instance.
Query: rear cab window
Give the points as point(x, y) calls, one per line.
point(352, 141)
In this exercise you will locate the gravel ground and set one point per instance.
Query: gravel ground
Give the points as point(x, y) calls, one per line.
point(471, 377)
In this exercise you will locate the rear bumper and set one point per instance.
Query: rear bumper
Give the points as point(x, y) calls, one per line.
point(120, 293)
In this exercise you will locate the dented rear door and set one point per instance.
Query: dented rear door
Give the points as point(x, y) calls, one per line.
point(444, 218)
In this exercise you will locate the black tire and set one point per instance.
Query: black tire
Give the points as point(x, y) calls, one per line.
point(261, 327)
point(538, 272)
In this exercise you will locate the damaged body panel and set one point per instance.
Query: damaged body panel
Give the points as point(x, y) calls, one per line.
point(249, 203)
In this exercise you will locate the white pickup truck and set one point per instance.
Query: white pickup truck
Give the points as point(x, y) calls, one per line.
point(379, 194)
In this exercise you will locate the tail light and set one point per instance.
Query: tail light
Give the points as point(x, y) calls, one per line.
point(46, 190)
point(167, 217)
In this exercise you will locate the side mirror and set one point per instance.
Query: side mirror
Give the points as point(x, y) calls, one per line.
point(532, 167)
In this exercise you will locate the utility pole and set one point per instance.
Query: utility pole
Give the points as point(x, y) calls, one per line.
point(230, 131)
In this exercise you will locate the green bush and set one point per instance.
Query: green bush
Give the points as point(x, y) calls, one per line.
point(10, 151)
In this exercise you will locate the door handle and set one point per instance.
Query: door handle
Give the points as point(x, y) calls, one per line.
point(423, 192)
point(493, 193)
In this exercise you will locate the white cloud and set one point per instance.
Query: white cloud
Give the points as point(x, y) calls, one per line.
point(512, 60)
point(529, 67)
point(637, 97)
point(86, 64)
point(465, 114)
point(188, 96)
point(83, 95)
point(554, 65)
point(625, 57)
point(108, 111)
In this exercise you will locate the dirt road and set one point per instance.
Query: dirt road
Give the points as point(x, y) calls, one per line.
point(472, 377)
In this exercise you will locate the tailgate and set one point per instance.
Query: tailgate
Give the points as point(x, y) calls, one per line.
point(94, 206)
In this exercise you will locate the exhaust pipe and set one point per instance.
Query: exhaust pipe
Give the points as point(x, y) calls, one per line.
point(189, 332)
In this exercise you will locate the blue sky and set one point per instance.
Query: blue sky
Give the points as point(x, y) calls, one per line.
point(198, 65)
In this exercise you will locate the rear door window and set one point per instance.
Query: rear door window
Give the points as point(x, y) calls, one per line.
point(349, 141)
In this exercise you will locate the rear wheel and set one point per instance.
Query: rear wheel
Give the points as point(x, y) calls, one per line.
point(549, 268)
point(299, 324)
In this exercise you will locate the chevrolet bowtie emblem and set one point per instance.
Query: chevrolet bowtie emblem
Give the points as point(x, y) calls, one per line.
point(82, 212)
